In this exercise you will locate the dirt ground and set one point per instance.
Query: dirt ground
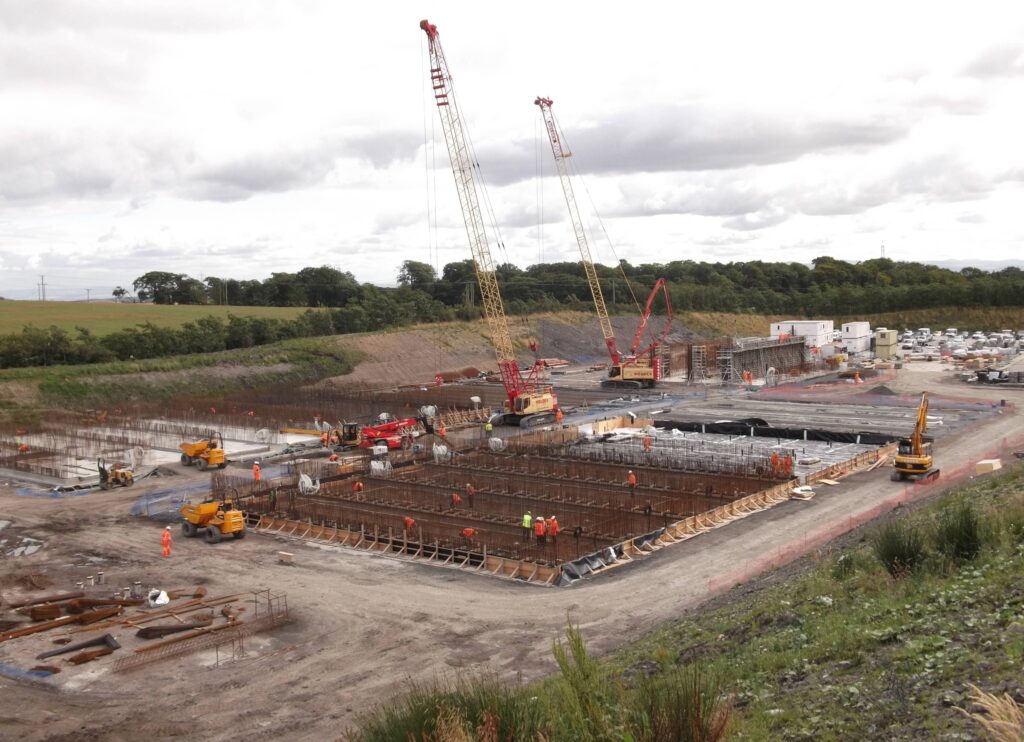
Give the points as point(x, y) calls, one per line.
point(366, 624)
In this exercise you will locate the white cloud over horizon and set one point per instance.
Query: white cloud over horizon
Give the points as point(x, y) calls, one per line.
point(242, 138)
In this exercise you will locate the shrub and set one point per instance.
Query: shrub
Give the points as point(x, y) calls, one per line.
point(686, 705)
point(958, 531)
point(588, 703)
point(899, 546)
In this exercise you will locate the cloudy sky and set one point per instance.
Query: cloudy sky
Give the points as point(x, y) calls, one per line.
point(242, 138)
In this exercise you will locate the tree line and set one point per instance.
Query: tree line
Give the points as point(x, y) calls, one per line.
point(828, 287)
point(339, 304)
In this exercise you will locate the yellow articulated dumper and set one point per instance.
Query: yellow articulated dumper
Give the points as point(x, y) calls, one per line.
point(213, 521)
point(205, 452)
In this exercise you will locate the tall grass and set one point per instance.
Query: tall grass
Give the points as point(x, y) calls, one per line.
point(686, 705)
point(899, 546)
point(586, 701)
point(469, 709)
point(1001, 718)
point(958, 531)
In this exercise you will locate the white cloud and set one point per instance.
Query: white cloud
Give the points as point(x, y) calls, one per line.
point(240, 139)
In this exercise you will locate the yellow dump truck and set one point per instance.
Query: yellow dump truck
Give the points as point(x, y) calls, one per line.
point(205, 452)
point(212, 520)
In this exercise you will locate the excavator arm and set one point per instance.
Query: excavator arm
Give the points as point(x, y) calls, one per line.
point(917, 440)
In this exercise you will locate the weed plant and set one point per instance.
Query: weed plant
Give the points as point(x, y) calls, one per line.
point(899, 546)
point(958, 531)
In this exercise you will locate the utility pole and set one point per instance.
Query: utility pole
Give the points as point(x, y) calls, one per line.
point(883, 251)
point(42, 288)
point(87, 295)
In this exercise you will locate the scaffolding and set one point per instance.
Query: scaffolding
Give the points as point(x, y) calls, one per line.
point(725, 368)
point(698, 364)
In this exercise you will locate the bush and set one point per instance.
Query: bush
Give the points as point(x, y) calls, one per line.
point(588, 703)
point(471, 709)
point(899, 546)
point(686, 705)
point(958, 532)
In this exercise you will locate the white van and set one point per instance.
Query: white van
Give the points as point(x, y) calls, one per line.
point(952, 332)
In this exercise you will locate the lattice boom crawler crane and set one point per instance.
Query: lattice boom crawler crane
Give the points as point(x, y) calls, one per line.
point(529, 402)
point(640, 367)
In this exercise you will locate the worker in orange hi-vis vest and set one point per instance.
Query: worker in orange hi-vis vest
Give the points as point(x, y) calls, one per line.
point(323, 439)
point(647, 444)
point(256, 471)
point(358, 486)
point(631, 481)
point(456, 500)
point(559, 416)
point(408, 522)
point(165, 540)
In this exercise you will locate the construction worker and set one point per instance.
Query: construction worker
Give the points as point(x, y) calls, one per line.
point(251, 413)
point(540, 528)
point(323, 439)
point(469, 533)
point(559, 416)
point(647, 444)
point(333, 457)
point(358, 486)
point(527, 525)
point(441, 430)
point(165, 539)
point(488, 429)
point(631, 481)
point(256, 471)
point(553, 529)
point(409, 523)
point(456, 500)
point(470, 493)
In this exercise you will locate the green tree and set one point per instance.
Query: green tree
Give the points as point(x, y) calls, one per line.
point(416, 275)
point(157, 286)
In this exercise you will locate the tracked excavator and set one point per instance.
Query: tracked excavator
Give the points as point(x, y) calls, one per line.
point(529, 401)
point(914, 455)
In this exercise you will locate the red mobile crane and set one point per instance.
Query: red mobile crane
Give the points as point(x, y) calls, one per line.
point(640, 367)
point(529, 403)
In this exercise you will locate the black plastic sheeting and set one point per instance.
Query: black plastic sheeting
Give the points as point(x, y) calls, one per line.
point(742, 428)
point(598, 560)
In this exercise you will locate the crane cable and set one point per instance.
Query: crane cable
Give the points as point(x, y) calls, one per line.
point(600, 220)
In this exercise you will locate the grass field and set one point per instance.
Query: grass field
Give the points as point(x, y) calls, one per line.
point(103, 318)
